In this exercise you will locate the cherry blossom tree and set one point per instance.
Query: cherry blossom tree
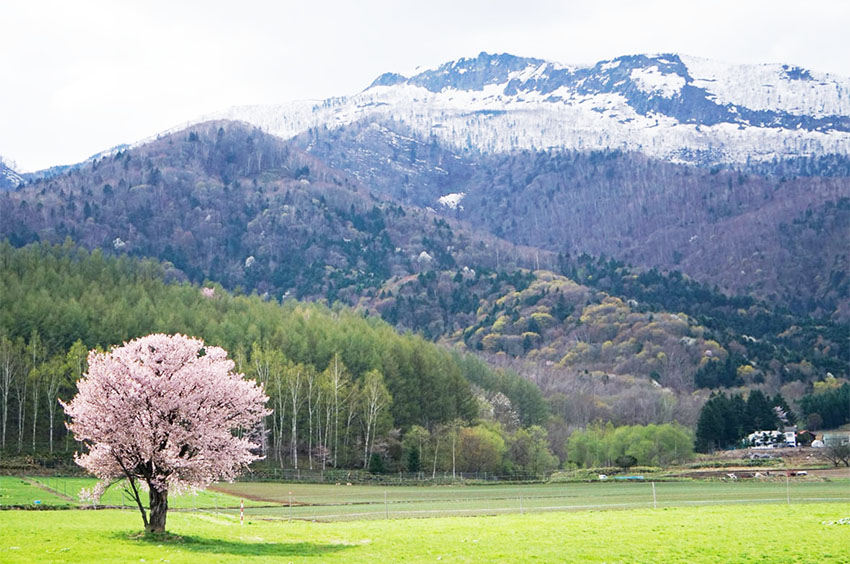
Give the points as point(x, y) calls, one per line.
point(165, 413)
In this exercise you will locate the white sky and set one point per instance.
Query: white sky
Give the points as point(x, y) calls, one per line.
point(78, 77)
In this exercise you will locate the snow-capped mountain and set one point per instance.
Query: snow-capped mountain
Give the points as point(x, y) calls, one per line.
point(670, 106)
point(8, 177)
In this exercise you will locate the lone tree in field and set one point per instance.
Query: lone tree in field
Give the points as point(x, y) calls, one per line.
point(164, 412)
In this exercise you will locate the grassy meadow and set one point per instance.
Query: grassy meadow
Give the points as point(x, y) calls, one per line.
point(24, 491)
point(805, 533)
point(686, 522)
point(336, 502)
point(332, 502)
point(50, 491)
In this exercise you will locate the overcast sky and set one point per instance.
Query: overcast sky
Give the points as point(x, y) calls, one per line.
point(78, 77)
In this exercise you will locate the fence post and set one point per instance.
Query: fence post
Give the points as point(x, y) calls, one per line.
point(521, 512)
point(386, 506)
point(654, 499)
point(787, 487)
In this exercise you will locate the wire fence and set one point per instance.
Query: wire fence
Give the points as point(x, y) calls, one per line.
point(397, 503)
point(333, 476)
point(340, 501)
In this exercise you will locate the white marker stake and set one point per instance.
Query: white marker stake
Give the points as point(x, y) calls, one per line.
point(242, 512)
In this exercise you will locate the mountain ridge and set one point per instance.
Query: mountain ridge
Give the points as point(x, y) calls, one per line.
point(9, 179)
point(228, 204)
point(745, 232)
point(671, 69)
point(677, 108)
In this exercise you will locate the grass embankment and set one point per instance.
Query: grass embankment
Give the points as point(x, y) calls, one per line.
point(677, 535)
point(24, 492)
point(57, 492)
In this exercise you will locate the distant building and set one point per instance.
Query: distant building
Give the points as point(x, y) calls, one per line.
point(836, 439)
point(805, 438)
point(772, 439)
point(790, 438)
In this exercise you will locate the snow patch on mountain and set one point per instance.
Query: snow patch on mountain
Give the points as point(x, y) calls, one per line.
point(673, 107)
point(653, 81)
point(772, 87)
point(451, 201)
point(8, 177)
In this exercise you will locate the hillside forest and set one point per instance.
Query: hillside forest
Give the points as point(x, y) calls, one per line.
point(347, 390)
point(377, 322)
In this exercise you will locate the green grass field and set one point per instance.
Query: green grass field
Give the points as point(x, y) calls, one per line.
point(115, 495)
point(747, 521)
point(19, 491)
point(330, 502)
point(731, 533)
point(65, 491)
point(327, 502)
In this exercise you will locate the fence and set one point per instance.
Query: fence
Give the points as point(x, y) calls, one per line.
point(354, 503)
point(331, 502)
point(333, 476)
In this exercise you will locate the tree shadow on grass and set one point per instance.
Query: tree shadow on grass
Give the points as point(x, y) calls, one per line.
point(236, 547)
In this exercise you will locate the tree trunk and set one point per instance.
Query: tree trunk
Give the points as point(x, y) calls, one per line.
point(366, 443)
point(35, 402)
point(327, 433)
point(281, 425)
point(134, 491)
point(294, 438)
point(310, 381)
point(436, 449)
point(51, 430)
point(159, 508)
point(336, 421)
point(21, 396)
point(294, 389)
point(6, 376)
point(454, 442)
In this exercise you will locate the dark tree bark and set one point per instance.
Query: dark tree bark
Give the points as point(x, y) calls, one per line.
point(134, 491)
point(159, 508)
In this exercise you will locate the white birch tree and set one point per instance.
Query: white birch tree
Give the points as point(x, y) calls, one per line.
point(9, 364)
point(375, 399)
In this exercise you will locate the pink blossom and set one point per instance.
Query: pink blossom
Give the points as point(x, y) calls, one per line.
point(165, 411)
